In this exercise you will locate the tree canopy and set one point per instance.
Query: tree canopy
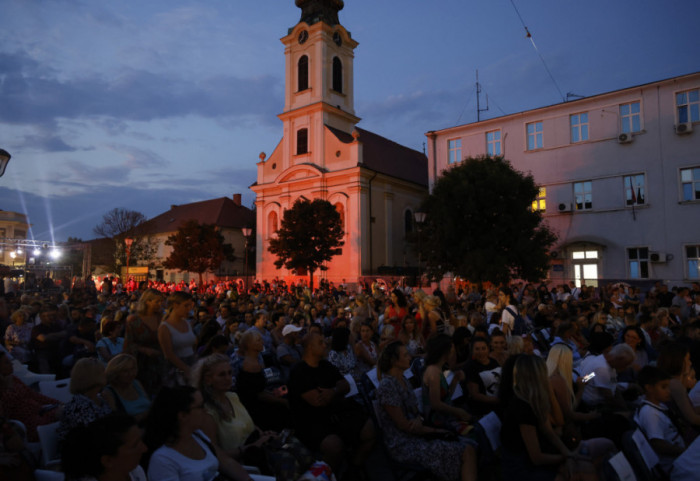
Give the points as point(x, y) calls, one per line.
point(197, 248)
point(310, 234)
point(480, 224)
point(120, 223)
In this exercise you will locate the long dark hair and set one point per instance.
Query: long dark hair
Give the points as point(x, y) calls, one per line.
point(85, 445)
point(162, 424)
point(436, 348)
point(389, 356)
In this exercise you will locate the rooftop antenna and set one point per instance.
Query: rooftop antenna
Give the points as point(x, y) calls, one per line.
point(478, 93)
point(571, 95)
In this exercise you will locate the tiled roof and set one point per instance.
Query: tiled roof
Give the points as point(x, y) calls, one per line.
point(223, 212)
point(387, 157)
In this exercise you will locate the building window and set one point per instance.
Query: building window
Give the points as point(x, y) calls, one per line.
point(341, 212)
point(630, 117)
point(271, 223)
point(302, 141)
point(634, 189)
point(407, 222)
point(688, 106)
point(638, 262)
point(337, 75)
point(454, 147)
point(540, 202)
point(583, 193)
point(690, 183)
point(579, 127)
point(493, 142)
point(303, 73)
point(534, 135)
point(692, 258)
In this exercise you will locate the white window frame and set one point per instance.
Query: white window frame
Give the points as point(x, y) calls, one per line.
point(586, 190)
point(694, 276)
point(691, 106)
point(627, 119)
point(693, 182)
point(534, 137)
point(454, 151)
point(640, 189)
point(640, 260)
point(540, 202)
point(493, 144)
point(579, 127)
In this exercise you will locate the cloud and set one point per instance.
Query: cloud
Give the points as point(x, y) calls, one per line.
point(34, 94)
point(52, 143)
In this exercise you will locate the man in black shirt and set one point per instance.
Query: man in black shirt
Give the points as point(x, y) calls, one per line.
point(324, 418)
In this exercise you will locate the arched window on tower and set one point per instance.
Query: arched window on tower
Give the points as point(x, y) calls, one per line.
point(271, 223)
point(337, 75)
point(303, 73)
point(407, 222)
point(302, 141)
point(341, 211)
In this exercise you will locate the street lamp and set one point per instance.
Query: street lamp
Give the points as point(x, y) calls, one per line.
point(246, 233)
point(4, 160)
point(128, 241)
point(420, 219)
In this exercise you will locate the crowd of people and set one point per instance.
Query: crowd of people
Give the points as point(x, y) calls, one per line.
point(172, 382)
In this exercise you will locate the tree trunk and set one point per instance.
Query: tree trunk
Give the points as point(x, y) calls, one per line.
point(311, 280)
point(199, 286)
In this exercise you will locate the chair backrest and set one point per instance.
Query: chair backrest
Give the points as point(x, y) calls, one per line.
point(618, 468)
point(59, 390)
point(48, 438)
point(48, 475)
point(642, 456)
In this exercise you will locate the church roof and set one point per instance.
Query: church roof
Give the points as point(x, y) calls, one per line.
point(222, 212)
point(387, 157)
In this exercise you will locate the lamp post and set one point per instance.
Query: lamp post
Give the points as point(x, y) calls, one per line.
point(4, 160)
point(246, 233)
point(128, 242)
point(420, 219)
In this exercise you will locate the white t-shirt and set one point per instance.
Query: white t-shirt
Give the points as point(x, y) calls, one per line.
point(694, 395)
point(166, 464)
point(605, 378)
point(657, 425)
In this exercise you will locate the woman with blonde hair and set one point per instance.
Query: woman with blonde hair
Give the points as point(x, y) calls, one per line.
point(18, 336)
point(176, 338)
point(434, 316)
point(87, 379)
point(531, 450)
point(141, 339)
point(124, 392)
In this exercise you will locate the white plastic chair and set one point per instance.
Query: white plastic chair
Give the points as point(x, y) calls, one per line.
point(48, 438)
point(59, 390)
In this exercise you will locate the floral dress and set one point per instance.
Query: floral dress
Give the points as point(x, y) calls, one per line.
point(345, 361)
point(17, 340)
point(151, 369)
point(443, 458)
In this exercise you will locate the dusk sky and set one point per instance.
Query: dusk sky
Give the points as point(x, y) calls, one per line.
point(144, 104)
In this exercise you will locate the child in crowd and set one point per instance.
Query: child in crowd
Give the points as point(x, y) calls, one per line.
point(654, 418)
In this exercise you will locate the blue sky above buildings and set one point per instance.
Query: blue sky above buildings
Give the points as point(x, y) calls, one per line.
point(146, 104)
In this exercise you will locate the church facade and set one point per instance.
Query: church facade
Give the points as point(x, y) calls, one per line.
point(375, 184)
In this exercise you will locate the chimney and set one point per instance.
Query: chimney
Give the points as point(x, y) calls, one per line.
point(237, 199)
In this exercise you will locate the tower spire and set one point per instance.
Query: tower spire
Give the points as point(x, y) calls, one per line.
point(313, 11)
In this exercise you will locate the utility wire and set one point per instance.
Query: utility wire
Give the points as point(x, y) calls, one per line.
point(532, 40)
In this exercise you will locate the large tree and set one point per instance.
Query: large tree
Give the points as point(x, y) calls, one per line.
point(120, 223)
point(310, 234)
point(197, 248)
point(480, 224)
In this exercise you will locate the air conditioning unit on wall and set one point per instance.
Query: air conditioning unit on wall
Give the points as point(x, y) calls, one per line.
point(564, 207)
point(684, 128)
point(657, 257)
point(625, 138)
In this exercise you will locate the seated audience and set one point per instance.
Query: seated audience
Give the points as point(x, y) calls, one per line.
point(180, 451)
point(124, 393)
point(107, 449)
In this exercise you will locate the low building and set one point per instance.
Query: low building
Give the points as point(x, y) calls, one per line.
point(619, 174)
point(13, 226)
point(226, 213)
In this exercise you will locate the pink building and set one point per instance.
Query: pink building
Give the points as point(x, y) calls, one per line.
point(375, 184)
point(619, 175)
